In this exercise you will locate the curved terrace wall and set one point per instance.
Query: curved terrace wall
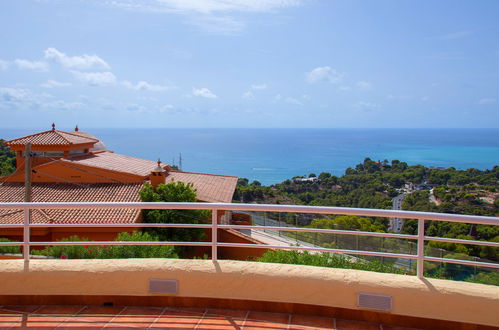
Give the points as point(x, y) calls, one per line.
point(427, 298)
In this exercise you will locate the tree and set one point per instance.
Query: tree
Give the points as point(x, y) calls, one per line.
point(242, 182)
point(173, 192)
point(7, 159)
point(324, 175)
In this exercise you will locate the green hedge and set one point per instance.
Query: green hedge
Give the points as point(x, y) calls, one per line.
point(9, 249)
point(112, 251)
point(327, 260)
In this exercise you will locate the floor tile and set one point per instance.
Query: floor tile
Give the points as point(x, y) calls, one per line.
point(178, 319)
point(116, 317)
point(59, 310)
point(81, 325)
point(11, 317)
point(222, 319)
point(342, 324)
point(136, 317)
point(97, 314)
point(309, 321)
point(263, 320)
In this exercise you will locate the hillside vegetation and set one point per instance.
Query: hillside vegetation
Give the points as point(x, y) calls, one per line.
point(373, 185)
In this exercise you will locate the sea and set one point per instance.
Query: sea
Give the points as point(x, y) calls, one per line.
point(271, 156)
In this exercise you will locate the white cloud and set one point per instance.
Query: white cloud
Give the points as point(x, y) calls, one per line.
point(53, 84)
point(224, 25)
point(13, 95)
point(62, 105)
point(204, 92)
point(366, 106)
point(259, 86)
point(82, 62)
point(4, 65)
point(135, 108)
point(248, 95)
point(323, 74)
point(165, 108)
point(364, 85)
point(95, 78)
point(145, 86)
point(292, 100)
point(31, 65)
point(206, 6)
point(288, 99)
point(18, 98)
point(211, 16)
point(486, 100)
point(255, 87)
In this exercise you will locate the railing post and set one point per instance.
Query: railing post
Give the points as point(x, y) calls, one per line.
point(214, 236)
point(26, 239)
point(420, 263)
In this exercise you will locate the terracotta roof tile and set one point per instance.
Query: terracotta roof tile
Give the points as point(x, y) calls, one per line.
point(52, 137)
point(65, 192)
point(115, 162)
point(209, 187)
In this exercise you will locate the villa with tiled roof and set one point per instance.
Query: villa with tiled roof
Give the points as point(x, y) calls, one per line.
point(76, 167)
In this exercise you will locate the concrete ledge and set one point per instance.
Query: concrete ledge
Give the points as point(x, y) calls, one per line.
point(430, 298)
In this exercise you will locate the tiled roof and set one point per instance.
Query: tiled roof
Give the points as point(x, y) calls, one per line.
point(52, 137)
point(65, 192)
point(115, 162)
point(209, 187)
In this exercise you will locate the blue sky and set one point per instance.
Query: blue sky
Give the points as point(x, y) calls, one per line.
point(242, 63)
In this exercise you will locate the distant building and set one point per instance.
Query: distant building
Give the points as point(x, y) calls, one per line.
point(312, 179)
point(77, 167)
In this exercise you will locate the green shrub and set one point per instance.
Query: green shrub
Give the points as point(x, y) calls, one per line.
point(327, 260)
point(112, 251)
point(484, 278)
point(9, 249)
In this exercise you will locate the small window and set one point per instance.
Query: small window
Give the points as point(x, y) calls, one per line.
point(53, 154)
point(76, 152)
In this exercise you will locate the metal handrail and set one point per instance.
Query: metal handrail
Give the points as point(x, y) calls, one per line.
point(215, 207)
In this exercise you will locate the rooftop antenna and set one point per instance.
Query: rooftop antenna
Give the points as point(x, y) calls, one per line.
point(180, 161)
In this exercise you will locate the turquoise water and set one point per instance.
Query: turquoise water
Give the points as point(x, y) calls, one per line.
point(273, 155)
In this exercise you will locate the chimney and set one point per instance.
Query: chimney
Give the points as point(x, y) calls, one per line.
point(158, 175)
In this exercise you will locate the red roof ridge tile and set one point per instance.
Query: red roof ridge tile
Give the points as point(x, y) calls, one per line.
point(77, 135)
point(59, 133)
point(101, 163)
point(221, 175)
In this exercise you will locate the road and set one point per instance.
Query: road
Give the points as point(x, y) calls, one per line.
point(396, 224)
point(273, 237)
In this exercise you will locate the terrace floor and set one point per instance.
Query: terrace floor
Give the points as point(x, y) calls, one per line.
point(86, 317)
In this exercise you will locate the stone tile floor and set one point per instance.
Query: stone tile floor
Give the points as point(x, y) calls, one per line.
point(94, 317)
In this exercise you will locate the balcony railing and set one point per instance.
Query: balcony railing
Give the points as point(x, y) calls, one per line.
point(421, 238)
